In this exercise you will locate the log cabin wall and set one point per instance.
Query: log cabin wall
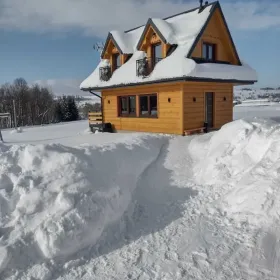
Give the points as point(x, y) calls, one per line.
point(170, 112)
point(194, 104)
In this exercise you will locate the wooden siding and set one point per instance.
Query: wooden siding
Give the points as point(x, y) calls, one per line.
point(180, 114)
point(194, 111)
point(216, 33)
point(110, 51)
point(169, 113)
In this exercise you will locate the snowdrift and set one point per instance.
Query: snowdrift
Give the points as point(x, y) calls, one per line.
point(153, 207)
point(245, 155)
point(59, 199)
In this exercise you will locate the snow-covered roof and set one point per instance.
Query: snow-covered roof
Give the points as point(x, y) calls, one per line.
point(182, 30)
point(126, 41)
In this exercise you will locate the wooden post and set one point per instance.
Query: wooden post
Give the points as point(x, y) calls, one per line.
point(15, 116)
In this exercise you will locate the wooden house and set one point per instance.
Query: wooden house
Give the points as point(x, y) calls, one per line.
point(170, 75)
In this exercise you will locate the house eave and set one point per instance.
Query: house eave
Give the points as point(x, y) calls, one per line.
point(173, 80)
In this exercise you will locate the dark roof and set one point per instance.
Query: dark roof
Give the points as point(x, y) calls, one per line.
point(177, 79)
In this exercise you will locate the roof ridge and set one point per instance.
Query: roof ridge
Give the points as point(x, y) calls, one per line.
point(182, 13)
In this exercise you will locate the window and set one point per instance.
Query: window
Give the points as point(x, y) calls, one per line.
point(127, 106)
point(156, 53)
point(208, 51)
point(116, 61)
point(148, 105)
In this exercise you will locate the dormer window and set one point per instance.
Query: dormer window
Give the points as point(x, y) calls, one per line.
point(156, 53)
point(208, 51)
point(116, 61)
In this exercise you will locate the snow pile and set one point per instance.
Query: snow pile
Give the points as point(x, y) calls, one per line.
point(16, 130)
point(144, 207)
point(246, 156)
point(56, 200)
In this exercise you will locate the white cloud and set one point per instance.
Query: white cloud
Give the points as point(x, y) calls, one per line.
point(62, 86)
point(97, 17)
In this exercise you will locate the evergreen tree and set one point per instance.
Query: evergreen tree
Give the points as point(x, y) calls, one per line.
point(59, 117)
point(73, 109)
point(65, 109)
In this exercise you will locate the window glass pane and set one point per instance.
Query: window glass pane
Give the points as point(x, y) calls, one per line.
point(153, 105)
point(117, 61)
point(204, 51)
point(144, 107)
point(210, 52)
point(124, 108)
point(158, 51)
point(132, 104)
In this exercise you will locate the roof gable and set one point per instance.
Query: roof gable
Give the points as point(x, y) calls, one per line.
point(109, 39)
point(216, 10)
point(150, 24)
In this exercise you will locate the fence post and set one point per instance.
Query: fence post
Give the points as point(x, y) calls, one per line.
point(1, 137)
point(15, 116)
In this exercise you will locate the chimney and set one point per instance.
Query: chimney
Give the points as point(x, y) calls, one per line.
point(201, 3)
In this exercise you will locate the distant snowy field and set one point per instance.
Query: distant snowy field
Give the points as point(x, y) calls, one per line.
point(76, 205)
point(270, 112)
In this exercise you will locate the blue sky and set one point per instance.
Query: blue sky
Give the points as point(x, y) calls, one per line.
point(51, 41)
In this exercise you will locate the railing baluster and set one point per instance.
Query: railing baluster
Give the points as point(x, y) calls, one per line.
point(145, 66)
point(105, 73)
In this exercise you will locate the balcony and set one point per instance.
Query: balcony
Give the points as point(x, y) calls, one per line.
point(105, 73)
point(145, 66)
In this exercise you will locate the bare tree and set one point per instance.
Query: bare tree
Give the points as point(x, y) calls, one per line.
point(33, 104)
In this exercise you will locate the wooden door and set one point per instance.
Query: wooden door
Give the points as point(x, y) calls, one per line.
point(209, 108)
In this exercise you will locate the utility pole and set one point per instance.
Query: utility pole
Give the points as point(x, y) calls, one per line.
point(15, 116)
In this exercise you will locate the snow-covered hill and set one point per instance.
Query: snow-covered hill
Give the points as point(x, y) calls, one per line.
point(140, 206)
point(242, 93)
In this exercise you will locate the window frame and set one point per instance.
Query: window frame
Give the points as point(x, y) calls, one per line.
point(149, 115)
point(214, 47)
point(130, 115)
point(115, 57)
point(153, 52)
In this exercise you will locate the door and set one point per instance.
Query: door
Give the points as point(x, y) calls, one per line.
point(209, 108)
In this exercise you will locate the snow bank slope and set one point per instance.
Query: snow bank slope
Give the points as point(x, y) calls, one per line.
point(246, 156)
point(152, 207)
point(56, 200)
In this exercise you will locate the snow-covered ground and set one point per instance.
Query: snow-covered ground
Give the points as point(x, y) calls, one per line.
point(76, 205)
point(271, 112)
point(69, 134)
